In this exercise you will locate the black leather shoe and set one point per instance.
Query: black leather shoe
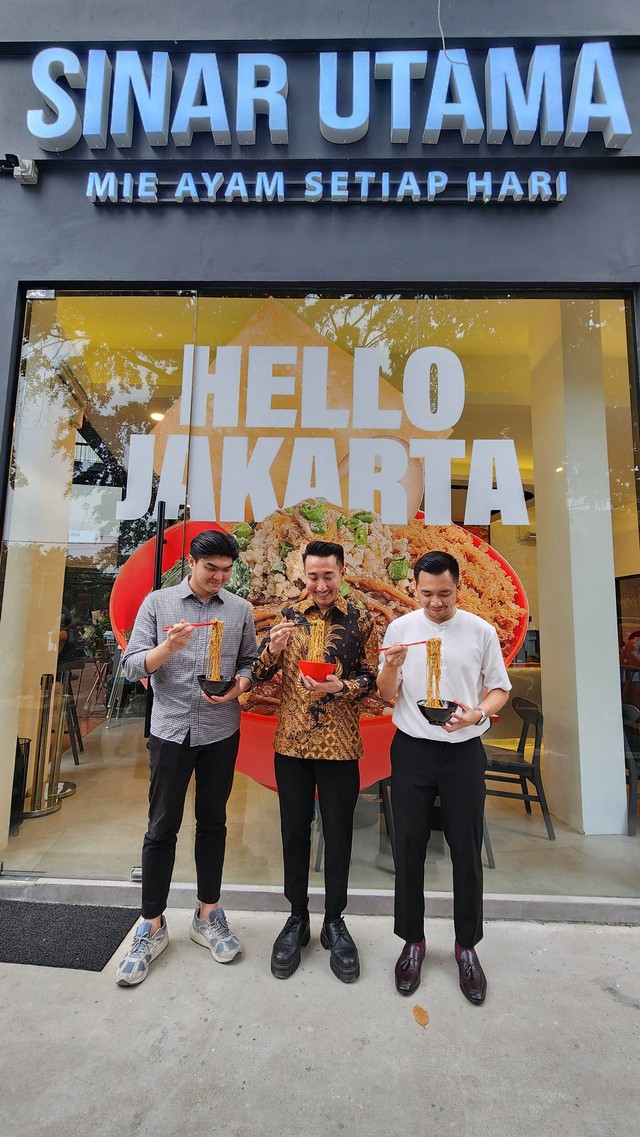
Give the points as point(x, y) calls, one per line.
point(408, 968)
point(473, 982)
point(344, 960)
point(285, 956)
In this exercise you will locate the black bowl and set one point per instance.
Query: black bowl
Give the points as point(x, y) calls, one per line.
point(215, 686)
point(437, 715)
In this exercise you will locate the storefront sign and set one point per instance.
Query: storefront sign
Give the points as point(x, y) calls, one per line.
point(224, 188)
point(252, 433)
point(112, 95)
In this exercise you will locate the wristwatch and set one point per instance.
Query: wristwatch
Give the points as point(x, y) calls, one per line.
point(485, 718)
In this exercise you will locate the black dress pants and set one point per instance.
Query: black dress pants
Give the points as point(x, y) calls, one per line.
point(338, 784)
point(172, 765)
point(421, 770)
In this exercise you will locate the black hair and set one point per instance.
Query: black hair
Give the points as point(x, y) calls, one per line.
point(324, 549)
point(213, 543)
point(435, 563)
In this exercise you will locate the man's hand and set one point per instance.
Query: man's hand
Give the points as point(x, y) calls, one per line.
point(461, 717)
point(329, 686)
point(395, 655)
point(178, 637)
point(279, 637)
point(389, 677)
point(241, 685)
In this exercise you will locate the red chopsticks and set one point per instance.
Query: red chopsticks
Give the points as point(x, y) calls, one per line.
point(207, 624)
point(415, 643)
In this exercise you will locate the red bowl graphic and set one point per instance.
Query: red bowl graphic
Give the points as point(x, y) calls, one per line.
point(255, 758)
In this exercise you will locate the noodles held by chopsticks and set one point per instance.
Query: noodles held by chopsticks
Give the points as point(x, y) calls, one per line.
point(316, 642)
point(434, 671)
point(215, 649)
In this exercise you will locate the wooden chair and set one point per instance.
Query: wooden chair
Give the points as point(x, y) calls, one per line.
point(630, 716)
point(507, 766)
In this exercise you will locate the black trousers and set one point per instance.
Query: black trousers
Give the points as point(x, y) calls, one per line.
point(421, 770)
point(172, 765)
point(338, 785)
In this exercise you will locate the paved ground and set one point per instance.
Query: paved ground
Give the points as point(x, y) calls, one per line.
point(204, 1049)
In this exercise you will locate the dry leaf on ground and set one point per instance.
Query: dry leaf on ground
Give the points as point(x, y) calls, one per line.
point(420, 1015)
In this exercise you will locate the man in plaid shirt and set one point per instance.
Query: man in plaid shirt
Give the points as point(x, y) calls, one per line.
point(190, 733)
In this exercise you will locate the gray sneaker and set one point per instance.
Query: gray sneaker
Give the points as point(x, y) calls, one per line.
point(144, 949)
point(214, 933)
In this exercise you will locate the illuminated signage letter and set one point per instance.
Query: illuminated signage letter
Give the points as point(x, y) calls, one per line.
point(96, 100)
point(148, 186)
point(202, 78)
point(539, 185)
point(333, 126)
point(507, 102)
point(102, 188)
point(400, 67)
point(453, 74)
point(437, 181)
point(364, 179)
point(408, 186)
point(510, 187)
point(270, 97)
point(269, 189)
point(186, 187)
point(313, 186)
point(152, 99)
point(66, 129)
point(595, 75)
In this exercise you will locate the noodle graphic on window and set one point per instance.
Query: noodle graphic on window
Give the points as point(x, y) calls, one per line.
point(434, 671)
point(215, 650)
point(316, 642)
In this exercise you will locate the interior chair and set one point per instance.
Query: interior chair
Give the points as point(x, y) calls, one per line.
point(630, 717)
point(509, 767)
point(69, 671)
point(384, 791)
point(383, 788)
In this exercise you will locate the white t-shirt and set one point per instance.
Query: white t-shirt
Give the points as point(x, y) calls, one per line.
point(471, 663)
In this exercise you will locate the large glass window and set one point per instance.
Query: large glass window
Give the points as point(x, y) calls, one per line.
point(499, 429)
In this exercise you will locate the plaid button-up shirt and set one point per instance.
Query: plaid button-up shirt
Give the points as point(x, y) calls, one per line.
point(178, 706)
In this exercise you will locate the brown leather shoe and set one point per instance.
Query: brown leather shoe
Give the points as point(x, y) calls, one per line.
point(408, 968)
point(473, 982)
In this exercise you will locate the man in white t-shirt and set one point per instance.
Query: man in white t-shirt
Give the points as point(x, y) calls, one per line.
point(445, 761)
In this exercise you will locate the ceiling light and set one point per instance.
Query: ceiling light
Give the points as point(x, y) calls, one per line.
point(559, 469)
point(157, 416)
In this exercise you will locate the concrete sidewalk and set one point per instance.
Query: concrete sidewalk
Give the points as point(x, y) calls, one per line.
point(204, 1049)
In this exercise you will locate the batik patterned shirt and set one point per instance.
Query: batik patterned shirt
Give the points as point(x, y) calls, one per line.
point(312, 724)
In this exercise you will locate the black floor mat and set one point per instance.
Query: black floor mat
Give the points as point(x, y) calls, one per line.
point(78, 936)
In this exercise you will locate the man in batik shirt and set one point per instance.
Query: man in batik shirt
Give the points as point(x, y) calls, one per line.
point(318, 744)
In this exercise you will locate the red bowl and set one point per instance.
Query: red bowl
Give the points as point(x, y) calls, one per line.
point(317, 671)
point(255, 757)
